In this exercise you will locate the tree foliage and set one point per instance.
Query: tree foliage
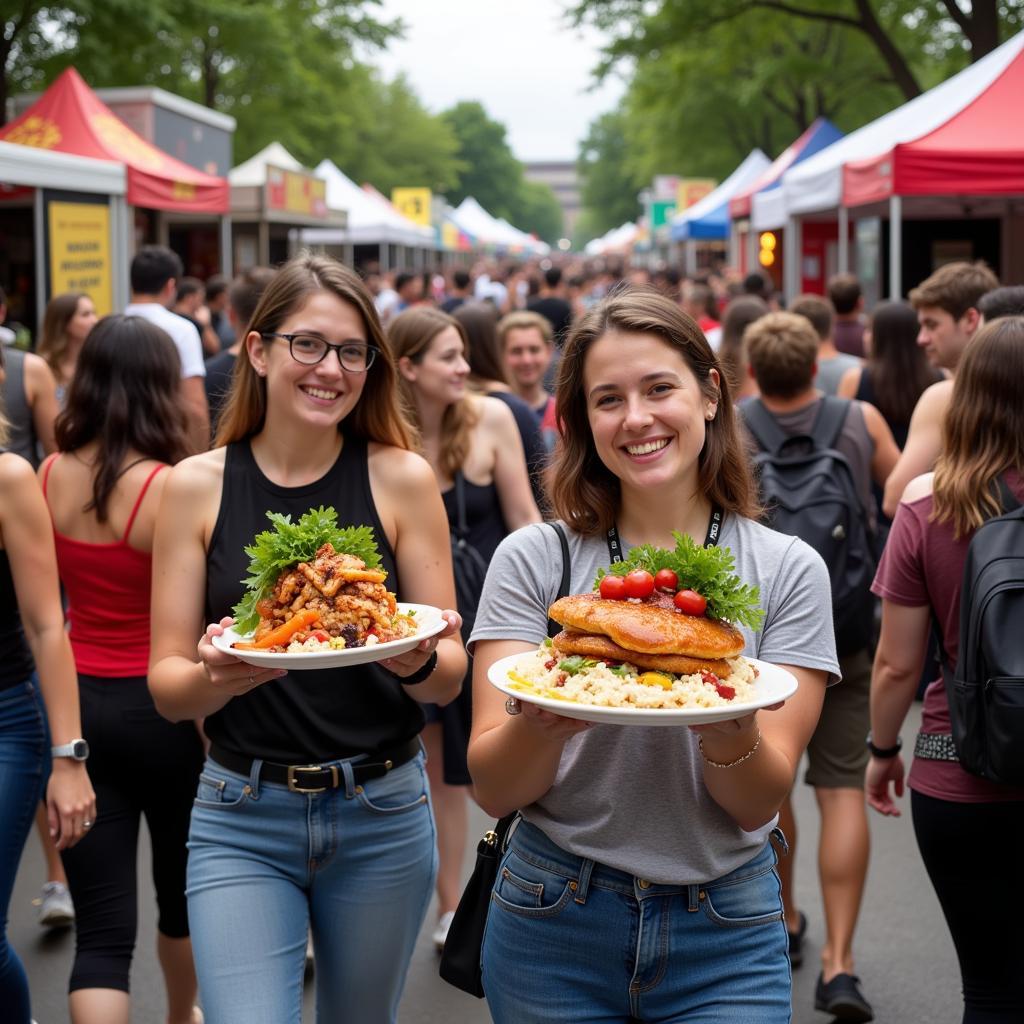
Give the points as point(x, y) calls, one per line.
point(610, 183)
point(493, 176)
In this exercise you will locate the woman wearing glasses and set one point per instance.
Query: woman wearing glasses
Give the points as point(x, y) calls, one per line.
point(312, 419)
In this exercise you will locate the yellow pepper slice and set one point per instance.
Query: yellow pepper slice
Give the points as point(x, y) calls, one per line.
point(655, 679)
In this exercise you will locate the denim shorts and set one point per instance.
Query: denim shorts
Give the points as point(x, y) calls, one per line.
point(571, 939)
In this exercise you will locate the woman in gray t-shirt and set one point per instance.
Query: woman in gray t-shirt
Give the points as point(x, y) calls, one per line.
point(640, 883)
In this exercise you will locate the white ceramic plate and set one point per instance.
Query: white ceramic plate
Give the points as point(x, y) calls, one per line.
point(772, 685)
point(428, 618)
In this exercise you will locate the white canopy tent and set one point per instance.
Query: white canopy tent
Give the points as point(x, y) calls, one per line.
point(616, 240)
point(370, 221)
point(475, 221)
point(252, 173)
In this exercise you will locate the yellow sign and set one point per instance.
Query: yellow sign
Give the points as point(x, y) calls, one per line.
point(413, 203)
point(693, 189)
point(296, 192)
point(80, 252)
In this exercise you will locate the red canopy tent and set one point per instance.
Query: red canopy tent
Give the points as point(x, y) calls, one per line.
point(978, 151)
point(70, 118)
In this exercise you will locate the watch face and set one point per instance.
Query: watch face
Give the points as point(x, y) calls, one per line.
point(79, 750)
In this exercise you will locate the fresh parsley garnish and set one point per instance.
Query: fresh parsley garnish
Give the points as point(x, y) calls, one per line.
point(710, 571)
point(289, 543)
point(575, 663)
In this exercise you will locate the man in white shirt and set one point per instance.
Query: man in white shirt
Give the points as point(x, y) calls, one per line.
point(155, 273)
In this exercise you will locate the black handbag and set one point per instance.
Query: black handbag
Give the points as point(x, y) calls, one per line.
point(460, 958)
point(468, 564)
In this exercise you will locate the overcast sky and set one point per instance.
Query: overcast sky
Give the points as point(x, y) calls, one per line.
point(517, 57)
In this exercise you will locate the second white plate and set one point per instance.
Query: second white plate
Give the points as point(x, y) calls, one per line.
point(773, 684)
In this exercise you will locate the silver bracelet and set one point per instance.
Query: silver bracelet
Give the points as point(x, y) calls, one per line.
point(728, 764)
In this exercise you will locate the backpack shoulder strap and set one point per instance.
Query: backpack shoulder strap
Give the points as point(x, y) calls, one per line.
point(829, 422)
point(563, 587)
point(760, 422)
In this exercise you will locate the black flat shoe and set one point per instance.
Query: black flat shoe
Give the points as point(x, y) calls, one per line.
point(796, 941)
point(843, 998)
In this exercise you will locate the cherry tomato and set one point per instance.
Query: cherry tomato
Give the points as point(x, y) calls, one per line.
point(613, 588)
point(690, 602)
point(639, 583)
point(666, 579)
point(320, 635)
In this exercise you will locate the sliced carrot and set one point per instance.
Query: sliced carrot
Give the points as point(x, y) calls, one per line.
point(280, 636)
point(362, 575)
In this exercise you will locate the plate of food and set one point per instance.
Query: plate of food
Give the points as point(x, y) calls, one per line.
point(316, 598)
point(654, 644)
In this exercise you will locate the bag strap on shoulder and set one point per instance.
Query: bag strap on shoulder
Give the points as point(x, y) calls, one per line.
point(760, 422)
point(461, 523)
point(563, 586)
point(828, 424)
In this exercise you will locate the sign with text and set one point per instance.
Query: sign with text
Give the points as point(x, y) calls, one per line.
point(296, 192)
point(80, 251)
point(665, 186)
point(413, 203)
point(691, 190)
point(661, 213)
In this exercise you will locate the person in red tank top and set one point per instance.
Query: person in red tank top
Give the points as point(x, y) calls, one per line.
point(121, 427)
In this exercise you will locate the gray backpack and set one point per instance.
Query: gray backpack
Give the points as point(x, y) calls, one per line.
point(808, 490)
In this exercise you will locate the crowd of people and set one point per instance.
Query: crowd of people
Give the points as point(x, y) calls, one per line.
point(458, 415)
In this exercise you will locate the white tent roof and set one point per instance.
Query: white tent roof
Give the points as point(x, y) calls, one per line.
point(472, 218)
point(617, 238)
point(370, 220)
point(817, 183)
point(253, 172)
point(744, 175)
point(40, 168)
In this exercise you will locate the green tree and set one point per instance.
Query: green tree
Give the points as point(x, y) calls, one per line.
point(539, 212)
point(609, 185)
point(490, 173)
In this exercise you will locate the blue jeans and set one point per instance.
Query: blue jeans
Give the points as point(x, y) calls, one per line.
point(24, 769)
point(568, 939)
point(356, 864)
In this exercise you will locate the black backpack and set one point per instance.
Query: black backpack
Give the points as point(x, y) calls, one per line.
point(808, 490)
point(986, 690)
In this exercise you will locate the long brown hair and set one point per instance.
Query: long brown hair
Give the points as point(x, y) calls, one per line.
point(377, 415)
point(125, 396)
point(899, 369)
point(983, 433)
point(582, 490)
point(411, 334)
point(53, 339)
point(479, 322)
point(739, 315)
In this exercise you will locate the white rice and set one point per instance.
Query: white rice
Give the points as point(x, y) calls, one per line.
point(598, 685)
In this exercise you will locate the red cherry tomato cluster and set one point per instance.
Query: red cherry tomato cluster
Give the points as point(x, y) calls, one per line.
point(641, 584)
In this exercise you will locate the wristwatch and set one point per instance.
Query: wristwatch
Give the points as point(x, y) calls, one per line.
point(77, 750)
point(884, 753)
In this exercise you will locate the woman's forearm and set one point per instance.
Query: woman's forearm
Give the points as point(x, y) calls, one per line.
point(892, 692)
point(513, 765)
point(182, 691)
point(444, 683)
point(58, 680)
point(752, 791)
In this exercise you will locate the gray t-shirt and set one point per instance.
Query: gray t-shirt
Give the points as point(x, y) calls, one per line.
point(633, 797)
point(830, 372)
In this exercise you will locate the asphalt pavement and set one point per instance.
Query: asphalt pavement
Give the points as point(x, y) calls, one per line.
point(904, 955)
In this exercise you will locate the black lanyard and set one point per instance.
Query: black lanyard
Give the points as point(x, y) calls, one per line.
point(710, 541)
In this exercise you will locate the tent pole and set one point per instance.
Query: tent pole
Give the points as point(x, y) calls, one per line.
point(751, 248)
point(895, 247)
point(691, 257)
point(39, 230)
point(734, 245)
point(844, 240)
point(121, 217)
point(791, 248)
point(225, 246)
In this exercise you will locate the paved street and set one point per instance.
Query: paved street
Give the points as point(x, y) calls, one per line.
point(904, 954)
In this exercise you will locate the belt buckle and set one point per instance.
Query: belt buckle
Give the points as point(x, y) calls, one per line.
point(297, 787)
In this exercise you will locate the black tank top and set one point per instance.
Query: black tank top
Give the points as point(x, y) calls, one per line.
point(16, 663)
point(302, 717)
point(483, 516)
point(866, 393)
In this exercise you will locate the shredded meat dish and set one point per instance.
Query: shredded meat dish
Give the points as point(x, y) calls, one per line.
point(350, 600)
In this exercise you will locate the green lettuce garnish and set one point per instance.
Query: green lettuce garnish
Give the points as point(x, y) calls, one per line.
point(287, 544)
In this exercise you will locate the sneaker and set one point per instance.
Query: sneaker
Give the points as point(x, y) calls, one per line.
point(441, 931)
point(55, 907)
point(843, 998)
point(796, 941)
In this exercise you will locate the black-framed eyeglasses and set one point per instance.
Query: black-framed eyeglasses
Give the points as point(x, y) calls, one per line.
point(354, 356)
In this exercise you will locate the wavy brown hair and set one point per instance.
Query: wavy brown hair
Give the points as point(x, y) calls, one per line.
point(53, 339)
point(125, 396)
point(983, 433)
point(411, 334)
point(377, 415)
point(581, 489)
